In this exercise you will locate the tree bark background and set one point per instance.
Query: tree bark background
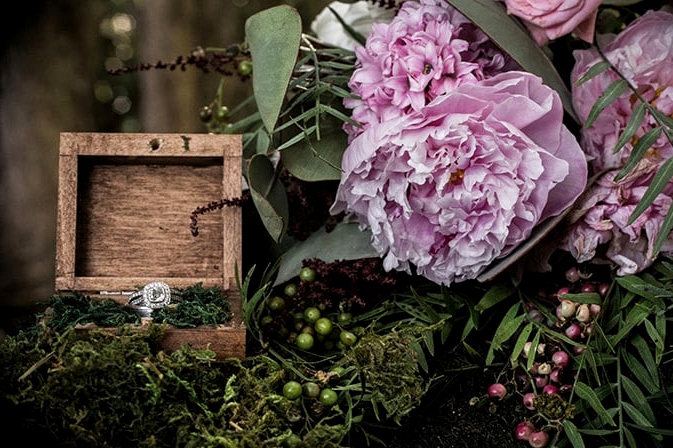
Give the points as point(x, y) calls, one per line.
point(51, 57)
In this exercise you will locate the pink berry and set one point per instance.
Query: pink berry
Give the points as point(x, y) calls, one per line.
point(550, 389)
point(561, 292)
point(538, 439)
point(573, 274)
point(588, 287)
point(529, 401)
point(574, 331)
point(497, 390)
point(541, 381)
point(555, 375)
point(603, 289)
point(560, 358)
point(523, 430)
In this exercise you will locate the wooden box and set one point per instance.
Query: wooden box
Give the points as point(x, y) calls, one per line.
point(125, 203)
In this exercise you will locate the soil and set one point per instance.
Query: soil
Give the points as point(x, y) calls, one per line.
point(456, 412)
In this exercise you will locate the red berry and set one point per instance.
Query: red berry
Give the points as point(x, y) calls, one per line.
point(523, 430)
point(538, 439)
point(560, 358)
point(529, 401)
point(497, 390)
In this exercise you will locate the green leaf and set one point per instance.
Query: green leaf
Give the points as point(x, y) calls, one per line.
point(273, 36)
point(635, 414)
point(664, 231)
point(643, 349)
point(572, 433)
point(496, 294)
point(635, 317)
point(610, 94)
point(317, 160)
point(345, 242)
point(638, 398)
point(635, 120)
point(657, 338)
point(638, 152)
point(644, 289)
point(521, 341)
point(594, 71)
point(515, 40)
point(508, 326)
point(587, 394)
point(268, 195)
point(657, 185)
point(640, 372)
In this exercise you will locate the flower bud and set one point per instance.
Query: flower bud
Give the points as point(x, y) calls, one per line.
point(544, 369)
point(568, 308)
point(583, 313)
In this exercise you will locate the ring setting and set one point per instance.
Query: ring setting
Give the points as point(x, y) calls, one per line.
point(152, 296)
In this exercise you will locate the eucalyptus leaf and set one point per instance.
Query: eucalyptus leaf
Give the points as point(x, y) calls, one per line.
point(316, 160)
point(273, 36)
point(268, 195)
point(345, 242)
point(508, 34)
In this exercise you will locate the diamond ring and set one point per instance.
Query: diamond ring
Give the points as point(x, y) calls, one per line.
point(153, 296)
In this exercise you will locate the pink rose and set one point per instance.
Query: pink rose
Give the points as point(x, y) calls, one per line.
point(427, 50)
point(598, 223)
point(464, 180)
point(643, 53)
point(550, 19)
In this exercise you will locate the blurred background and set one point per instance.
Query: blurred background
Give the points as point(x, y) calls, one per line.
point(55, 63)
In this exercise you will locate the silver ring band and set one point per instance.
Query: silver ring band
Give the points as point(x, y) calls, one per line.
point(154, 295)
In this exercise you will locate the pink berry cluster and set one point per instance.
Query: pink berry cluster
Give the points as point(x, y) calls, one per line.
point(546, 382)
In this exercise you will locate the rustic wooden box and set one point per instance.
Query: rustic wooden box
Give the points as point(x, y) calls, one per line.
point(124, 208)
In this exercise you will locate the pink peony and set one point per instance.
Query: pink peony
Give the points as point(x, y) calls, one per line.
point(643, 53)
point(427, 50)
point(550, 19)
point(598, 224)
point(463, 181)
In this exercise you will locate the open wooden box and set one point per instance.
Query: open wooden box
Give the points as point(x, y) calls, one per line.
point(125, 203)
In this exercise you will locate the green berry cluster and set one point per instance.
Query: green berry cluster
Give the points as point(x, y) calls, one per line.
point(308, 327)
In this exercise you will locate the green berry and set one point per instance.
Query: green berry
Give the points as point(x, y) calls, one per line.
point(304, 341)
point(311, 389)
point(311, 314)
point(323, 326)
point(328, 397)
point(347, 338)
point(306, 274)
point(290, 290)
point(245, 67)
point(275, 304)
point(292, 390)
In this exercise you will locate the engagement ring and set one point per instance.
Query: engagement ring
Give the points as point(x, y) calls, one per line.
point(153, 296)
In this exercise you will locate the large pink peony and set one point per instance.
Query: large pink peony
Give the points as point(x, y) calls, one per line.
point(598, 224)
point(643, 53)
point(463, 181)
point(427, 50)
point(550, 19)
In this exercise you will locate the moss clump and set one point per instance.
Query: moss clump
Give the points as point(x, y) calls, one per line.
point(96, 388)
point(388, 366)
